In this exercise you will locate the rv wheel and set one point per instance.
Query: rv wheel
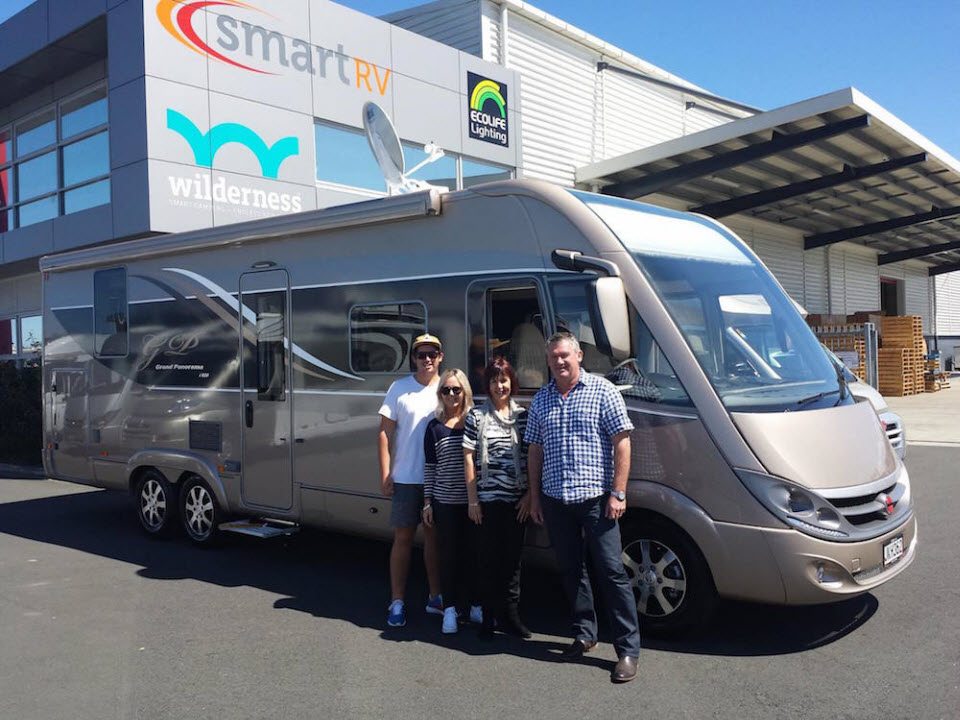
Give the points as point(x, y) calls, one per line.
point(670, 579)
point(199, 511)
point(156, 503)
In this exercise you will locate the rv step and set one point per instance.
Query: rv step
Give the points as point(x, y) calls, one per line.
point(260, 528)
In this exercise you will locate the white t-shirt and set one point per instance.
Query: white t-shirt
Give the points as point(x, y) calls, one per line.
point(411, 405)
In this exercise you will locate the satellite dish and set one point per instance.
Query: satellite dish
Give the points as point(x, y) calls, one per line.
point(386, 148)
point(384, 143)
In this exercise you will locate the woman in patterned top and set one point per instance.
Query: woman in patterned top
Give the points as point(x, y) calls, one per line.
point(496, 459)
point(445, 499)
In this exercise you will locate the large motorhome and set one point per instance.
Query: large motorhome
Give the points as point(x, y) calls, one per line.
point(237, 372)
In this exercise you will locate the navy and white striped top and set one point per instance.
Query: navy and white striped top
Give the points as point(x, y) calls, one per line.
point(443, 467)
point(502, 484)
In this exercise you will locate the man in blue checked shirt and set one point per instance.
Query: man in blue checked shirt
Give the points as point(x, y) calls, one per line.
point(579, 437)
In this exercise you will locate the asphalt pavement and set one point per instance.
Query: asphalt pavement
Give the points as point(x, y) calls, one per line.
point(101, 622)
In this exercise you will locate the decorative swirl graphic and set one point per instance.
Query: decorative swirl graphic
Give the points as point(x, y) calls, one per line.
point(177, 19)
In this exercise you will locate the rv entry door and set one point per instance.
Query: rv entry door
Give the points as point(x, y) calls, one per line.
point(68, 418)
point(265, 396)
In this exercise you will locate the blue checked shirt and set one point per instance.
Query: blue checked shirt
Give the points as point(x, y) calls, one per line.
point(575, 433)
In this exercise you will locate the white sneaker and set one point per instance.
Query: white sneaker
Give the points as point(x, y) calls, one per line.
point(449, 621)
point(476, 614)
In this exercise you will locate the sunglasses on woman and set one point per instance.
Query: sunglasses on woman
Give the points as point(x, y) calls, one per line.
point(447, 390)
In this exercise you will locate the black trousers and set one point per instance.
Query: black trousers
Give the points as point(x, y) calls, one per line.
point(501, 544)
point(457, 545)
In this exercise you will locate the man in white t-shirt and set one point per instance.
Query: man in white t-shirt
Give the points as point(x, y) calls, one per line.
point(408, 407)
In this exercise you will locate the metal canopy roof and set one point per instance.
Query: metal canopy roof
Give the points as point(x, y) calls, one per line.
point(836, 167)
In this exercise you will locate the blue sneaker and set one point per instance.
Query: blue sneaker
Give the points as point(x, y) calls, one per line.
point(435, 605)
point(397, 616)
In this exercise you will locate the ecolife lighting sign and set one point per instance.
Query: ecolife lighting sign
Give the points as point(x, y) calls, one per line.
point(254, 48)
point(487, 105)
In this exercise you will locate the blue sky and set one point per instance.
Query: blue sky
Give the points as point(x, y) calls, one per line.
point(768, 53)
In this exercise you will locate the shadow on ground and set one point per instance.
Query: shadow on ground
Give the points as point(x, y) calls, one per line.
point(337, 576)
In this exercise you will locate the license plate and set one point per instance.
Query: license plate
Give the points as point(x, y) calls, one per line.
point(892, 550)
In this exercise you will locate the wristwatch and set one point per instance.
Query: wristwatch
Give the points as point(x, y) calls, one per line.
point(619, 495)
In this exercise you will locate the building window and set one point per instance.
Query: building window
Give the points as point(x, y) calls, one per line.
point(381, 335)
point(475, 172)
point(55, 161)
point(21, 339)
point(344, 160)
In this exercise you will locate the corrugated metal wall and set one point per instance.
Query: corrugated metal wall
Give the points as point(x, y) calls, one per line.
point(455, 24)
point(854, 279)
point(574, 115)
point(558, 96)
point(916, 289)
point(948, 303)
point(781, 250)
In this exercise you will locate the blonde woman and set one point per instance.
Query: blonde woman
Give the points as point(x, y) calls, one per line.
point(445, 499)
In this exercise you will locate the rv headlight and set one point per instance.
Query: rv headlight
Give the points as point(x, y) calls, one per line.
point(799, 507)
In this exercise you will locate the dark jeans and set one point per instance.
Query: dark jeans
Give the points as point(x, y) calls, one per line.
point(575, 530)
point(501, 544)
point(457, 545)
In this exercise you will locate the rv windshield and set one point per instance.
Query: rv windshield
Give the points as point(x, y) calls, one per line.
point(743, 329)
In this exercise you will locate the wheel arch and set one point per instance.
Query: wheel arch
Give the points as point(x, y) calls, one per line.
point(176, 466)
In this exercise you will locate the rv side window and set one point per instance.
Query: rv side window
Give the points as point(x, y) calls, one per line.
point(381, 335)
point(507, 321)
point(648, 376)
point(110, 312)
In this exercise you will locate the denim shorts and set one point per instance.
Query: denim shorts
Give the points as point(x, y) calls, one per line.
point(407, 505)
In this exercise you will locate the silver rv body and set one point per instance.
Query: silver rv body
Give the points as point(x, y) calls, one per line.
point(247, 363)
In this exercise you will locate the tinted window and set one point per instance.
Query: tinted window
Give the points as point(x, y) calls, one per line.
point(31, 333)
point(37, 132)
point(5, 187)
point(6, 147)
point(83, 113)
point(440, 172)
point(37, 176)
point(8, 336)
point(110, 312)
point(381, 336)
point(475, 173)
point(86, 196)
point(39, 210)
point(86, 159)
point(344, 157)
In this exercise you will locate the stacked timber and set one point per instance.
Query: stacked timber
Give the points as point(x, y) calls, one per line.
point(845, 339)
point(897, 370)
point(901, 359)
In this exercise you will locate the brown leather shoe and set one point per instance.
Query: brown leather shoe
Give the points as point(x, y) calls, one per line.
point(625, 671)
point(577, 650)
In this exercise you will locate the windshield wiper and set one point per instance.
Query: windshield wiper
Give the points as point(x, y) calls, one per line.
point(818, 396)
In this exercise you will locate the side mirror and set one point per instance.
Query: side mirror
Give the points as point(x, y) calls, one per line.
point(611, 330)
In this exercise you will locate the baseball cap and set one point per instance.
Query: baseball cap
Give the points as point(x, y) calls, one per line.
point(426, 339)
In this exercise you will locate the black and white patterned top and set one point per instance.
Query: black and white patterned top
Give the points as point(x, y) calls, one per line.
point(502, 481)
point(443, 478)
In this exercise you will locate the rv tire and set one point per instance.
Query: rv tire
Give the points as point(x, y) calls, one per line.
point(199, 511)
point(670, 579)
point(155, 501)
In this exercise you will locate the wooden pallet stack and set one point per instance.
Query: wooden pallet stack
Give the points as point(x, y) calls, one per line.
point(900, 362)
point(844, 339)
point(934, 379)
